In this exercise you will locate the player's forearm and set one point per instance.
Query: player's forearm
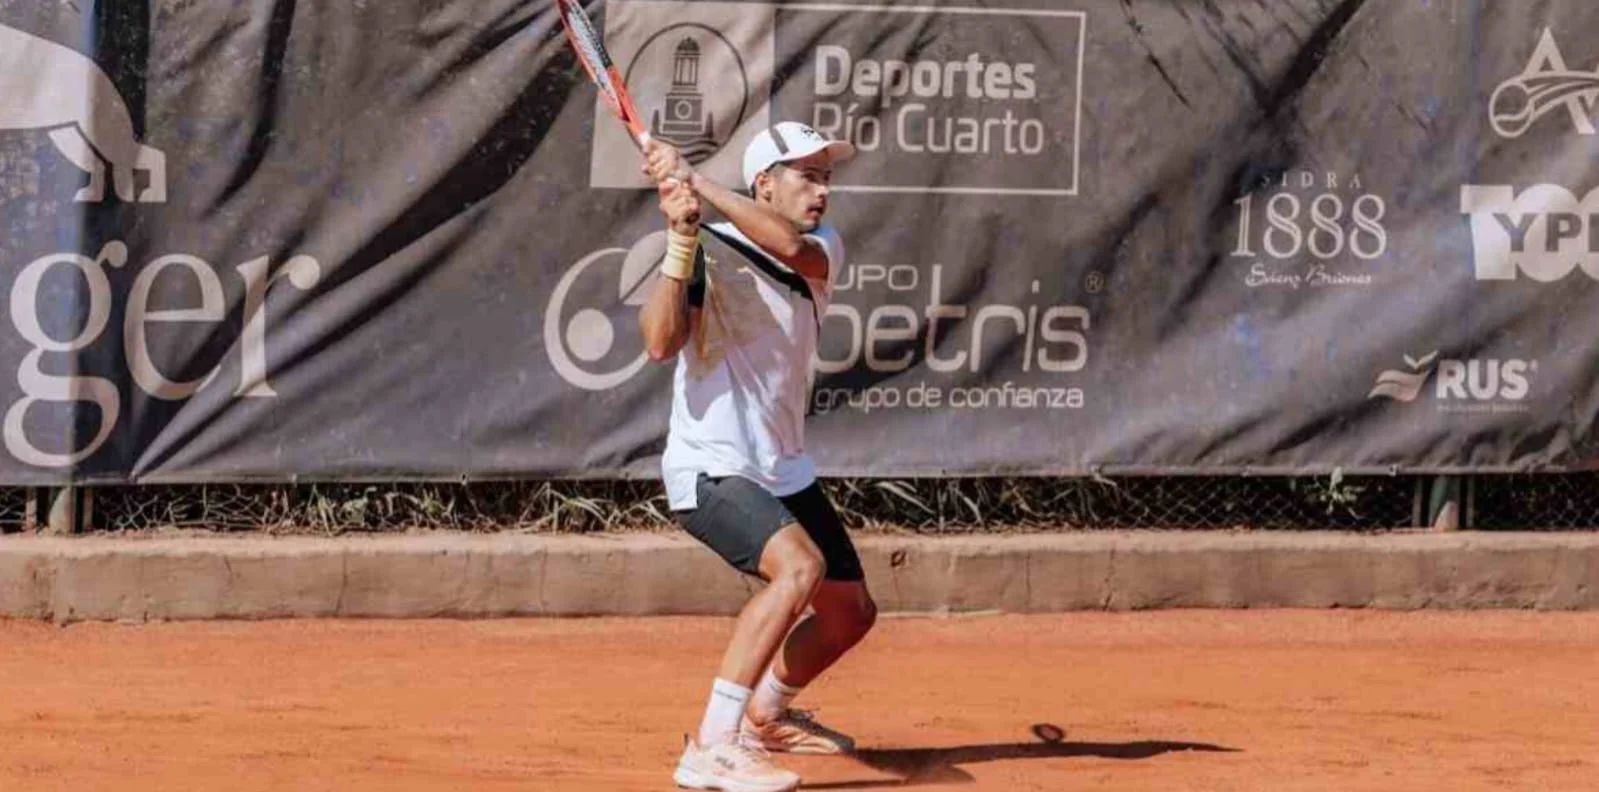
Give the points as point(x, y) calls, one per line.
point(664, 319)
point(763, 226)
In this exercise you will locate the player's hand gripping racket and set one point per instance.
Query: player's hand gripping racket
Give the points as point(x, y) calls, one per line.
point(596, 61)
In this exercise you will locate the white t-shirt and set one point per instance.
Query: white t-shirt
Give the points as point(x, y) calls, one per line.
point(743, 380)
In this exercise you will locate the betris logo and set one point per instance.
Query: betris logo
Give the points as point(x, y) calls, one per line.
point(587, 337)
point(1546, 85)
point(44, 85)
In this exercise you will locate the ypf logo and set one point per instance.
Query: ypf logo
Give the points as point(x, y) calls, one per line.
point(1544, 231)
point(596, 295)
point(1545, 86)
point(700, 73)
point(44, 85)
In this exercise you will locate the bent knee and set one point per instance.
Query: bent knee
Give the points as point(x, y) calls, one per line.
point(799, 572)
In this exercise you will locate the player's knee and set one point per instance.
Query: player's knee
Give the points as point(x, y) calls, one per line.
point(845, 625)
point(799, 573)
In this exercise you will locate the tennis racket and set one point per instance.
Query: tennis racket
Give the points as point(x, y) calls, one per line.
point(596, 61)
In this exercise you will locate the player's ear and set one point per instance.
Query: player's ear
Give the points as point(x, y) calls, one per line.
point(763, 185)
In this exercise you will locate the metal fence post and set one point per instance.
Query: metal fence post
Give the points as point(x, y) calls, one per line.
point(71, 510)
point(1444, 504)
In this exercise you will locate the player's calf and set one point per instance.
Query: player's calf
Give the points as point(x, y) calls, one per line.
point(846, 629)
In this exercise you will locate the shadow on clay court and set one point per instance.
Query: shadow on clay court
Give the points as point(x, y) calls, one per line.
point(942, 765)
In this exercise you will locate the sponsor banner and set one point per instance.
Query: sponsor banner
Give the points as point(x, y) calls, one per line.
point(941, 100)
point(283, 241)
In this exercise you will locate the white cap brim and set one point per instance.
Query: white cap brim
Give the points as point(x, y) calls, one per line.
point(838, 151)
point(781, 148)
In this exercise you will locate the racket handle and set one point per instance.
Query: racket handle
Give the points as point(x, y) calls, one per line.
point(673, 183)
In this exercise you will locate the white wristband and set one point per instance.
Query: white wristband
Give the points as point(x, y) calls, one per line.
point(680, 250)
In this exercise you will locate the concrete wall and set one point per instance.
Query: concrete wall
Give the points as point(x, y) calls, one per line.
point(452, 575)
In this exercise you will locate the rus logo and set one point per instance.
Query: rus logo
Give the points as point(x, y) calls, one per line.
point(1477, 380)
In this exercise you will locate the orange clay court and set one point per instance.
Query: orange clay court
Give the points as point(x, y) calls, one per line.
point(1172, 700)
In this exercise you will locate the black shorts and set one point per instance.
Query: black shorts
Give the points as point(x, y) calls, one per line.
point(737, 517)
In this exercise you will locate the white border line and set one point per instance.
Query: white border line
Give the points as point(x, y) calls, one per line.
point(875, 188)
point(933, 9)
point(905, 9)
point(1077, 131)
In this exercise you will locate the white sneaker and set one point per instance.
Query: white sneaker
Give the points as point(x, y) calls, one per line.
point(795, 731)
point(732, 767)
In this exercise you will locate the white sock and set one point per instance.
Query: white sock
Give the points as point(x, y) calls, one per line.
point(772, 697)
point(723, 712)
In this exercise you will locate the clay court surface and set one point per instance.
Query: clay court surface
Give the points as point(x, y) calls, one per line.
point(1177, 700)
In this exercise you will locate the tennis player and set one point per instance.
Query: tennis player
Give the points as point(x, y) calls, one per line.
point(738, 308)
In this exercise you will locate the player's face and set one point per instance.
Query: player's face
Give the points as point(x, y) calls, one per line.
point(798, 189)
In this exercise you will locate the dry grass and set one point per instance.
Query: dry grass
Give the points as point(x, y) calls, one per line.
point(989, 505)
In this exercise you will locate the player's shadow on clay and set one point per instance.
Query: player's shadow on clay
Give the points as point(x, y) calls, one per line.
point(913, 766)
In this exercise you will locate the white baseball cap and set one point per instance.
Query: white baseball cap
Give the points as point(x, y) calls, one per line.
point(785, 142)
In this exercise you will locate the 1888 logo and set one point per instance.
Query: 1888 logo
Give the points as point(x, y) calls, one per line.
point(1306, 222)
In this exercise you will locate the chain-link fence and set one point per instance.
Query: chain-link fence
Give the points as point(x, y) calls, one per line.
point(1542, 501)
point(1533, 502)
point(565, 507)
point(1192, 502)
point(925, 505)
point(13, 508)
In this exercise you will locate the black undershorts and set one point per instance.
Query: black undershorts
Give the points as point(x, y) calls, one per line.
point(736, 517)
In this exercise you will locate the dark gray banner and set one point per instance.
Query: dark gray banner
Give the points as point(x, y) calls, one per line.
point(268, 240)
